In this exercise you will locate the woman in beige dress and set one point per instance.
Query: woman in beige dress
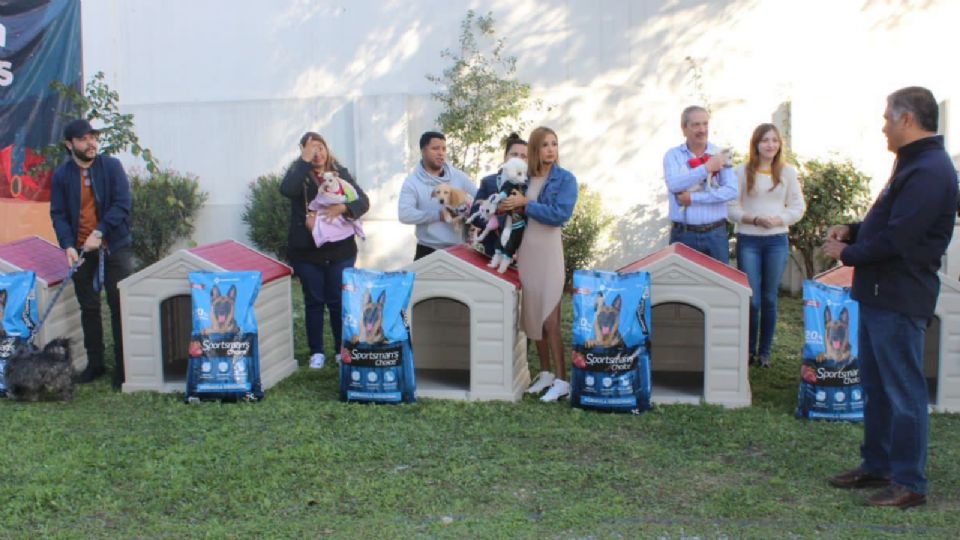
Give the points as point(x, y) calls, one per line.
point(549, 202)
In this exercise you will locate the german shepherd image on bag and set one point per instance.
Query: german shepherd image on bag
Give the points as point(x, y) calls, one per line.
point(223, 311)
point(376, 356)
point(611, 341)
point(224, 359)
point(18, 311)
point(830, 374)
point(371, 320)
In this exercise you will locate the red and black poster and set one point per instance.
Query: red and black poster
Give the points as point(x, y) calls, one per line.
point(39, 44)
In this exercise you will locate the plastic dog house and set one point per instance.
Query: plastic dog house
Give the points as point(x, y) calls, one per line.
point(156, 308)
point(49, 263)
point(701, 314)
point(941, 348)
point(466, 340)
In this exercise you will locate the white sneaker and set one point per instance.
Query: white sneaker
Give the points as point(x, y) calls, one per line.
point(317, 361)
point(541, 382)
point(559, 389)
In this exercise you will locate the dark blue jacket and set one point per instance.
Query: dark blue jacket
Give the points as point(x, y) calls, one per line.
point(896, 250)
point(300, 244)
point(557, 198)
point(488, 186)
point(111, 191)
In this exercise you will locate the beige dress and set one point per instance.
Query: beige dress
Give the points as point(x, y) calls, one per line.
point(540, 262)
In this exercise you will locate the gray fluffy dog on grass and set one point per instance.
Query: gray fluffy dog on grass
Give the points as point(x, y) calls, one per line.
point(33, 374)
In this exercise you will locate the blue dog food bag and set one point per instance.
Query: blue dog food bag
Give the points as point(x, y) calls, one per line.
point(611, 341)
point(830, 373)
point(18, 313)
point(376, 356)
point(224, 351)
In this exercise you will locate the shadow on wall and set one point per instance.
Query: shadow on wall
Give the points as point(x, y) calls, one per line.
point(890, 15)
point(642, 231)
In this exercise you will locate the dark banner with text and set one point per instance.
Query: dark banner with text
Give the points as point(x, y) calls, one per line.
point(39, 44)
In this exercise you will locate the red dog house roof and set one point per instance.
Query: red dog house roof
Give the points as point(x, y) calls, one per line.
point(39, 256)
point(692, 255)
point(841, 276)
point(480, 260)
point(233, 256)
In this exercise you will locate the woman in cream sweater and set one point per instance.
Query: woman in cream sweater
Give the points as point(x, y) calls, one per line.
point(769, 201)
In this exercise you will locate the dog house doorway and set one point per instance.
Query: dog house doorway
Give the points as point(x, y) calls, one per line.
point(175, 330)
point(441, 347)
point(931, 359)
point(677, 353)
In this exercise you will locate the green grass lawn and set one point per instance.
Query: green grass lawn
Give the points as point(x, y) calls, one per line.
point(300, 464)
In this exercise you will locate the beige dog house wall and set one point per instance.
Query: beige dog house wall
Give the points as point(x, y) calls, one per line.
point(467, 344)
point(700, 324)
point(49, 263)
point(156, 307)
point(941, 348)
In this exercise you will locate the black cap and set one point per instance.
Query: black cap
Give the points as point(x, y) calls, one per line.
point(78, 128)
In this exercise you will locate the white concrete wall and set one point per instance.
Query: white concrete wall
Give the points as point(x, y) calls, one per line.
point(223, 89)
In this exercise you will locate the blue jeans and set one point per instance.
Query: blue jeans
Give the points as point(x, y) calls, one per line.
point(321, 286)
point(895, 413)
point(711, 243)
point(763, 259)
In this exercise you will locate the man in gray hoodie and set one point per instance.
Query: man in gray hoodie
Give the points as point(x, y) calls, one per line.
point(418, 207)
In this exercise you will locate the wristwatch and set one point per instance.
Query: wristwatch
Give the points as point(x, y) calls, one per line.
point(97, 233)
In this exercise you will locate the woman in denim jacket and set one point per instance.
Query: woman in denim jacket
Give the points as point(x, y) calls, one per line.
point(549, 202)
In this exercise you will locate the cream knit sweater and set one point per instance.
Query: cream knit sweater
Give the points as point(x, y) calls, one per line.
point(786, 201)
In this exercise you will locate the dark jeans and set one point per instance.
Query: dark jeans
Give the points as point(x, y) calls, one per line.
point(117, 265)
point(422, 251)
point(322, 284)
point(712, 243)
point(763, 259)
point(895, 413)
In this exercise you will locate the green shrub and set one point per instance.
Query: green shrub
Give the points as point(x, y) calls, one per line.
point(267, 214)
point(835, 192)
point(164, 208)
point(581, 234)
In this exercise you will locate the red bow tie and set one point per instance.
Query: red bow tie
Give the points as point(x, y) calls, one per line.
point(698, 161)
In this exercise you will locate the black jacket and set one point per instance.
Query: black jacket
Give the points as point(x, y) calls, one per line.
point(896, 250)
point(111, 191)
point(300, 246)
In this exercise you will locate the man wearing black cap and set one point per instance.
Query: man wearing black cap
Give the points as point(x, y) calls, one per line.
point(90, 207)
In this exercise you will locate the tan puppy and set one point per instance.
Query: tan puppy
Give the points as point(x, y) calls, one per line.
point(455, 202)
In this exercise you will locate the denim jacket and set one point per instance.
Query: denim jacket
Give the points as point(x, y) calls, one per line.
point(555, 203)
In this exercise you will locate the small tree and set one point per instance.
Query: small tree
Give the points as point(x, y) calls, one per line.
point(164, 208)
point(266, 213)
point(835, 193)
point(481, 99)
point(99, 102)
point(581, 234)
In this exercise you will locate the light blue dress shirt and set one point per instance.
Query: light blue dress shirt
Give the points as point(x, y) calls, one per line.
point(709, 204)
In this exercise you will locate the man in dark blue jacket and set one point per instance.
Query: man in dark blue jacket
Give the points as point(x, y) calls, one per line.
point(896, 253)
point(90, 207)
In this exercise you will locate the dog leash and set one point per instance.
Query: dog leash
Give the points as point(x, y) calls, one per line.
point(56, 296)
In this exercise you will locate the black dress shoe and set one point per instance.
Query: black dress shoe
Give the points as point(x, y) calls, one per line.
point(857, 479)
point(895, 496)
point(91, 374)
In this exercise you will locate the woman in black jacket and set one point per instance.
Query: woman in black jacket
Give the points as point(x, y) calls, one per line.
point(320, 269)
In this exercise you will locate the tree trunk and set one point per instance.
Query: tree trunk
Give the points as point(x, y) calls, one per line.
point(810, 268)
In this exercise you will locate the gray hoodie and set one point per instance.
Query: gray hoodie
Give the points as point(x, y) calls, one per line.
point(417, 208)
